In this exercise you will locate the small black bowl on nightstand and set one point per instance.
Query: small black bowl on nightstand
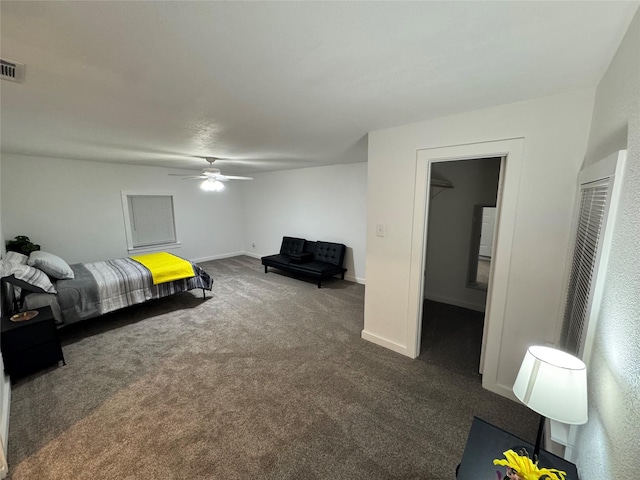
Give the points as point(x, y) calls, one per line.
point(30, 345)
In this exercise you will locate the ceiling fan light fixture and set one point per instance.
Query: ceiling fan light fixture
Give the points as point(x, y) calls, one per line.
point(212, 185)
point(213, 178)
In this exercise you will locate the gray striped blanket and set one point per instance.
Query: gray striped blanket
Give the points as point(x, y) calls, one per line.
point(103, 287)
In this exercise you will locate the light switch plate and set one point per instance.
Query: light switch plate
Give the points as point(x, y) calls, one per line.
point(380, 230)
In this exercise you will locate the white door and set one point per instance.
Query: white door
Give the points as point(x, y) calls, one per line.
point(486, 235)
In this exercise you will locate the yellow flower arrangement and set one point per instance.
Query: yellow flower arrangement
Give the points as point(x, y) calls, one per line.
point(525, 469)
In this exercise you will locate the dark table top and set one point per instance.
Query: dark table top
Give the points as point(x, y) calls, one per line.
point(487, 442)
point(44, 313)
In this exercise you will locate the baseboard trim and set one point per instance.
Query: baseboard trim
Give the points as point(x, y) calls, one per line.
point(503, 390)
point(219, 257)
point(454, 302)
point(352, 278)
point(5, 405)
point(383, 342)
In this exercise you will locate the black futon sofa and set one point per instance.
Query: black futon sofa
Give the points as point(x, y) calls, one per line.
point(300, 257)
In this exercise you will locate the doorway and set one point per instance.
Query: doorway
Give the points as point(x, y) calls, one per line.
point(511, 150)
point(458, 258)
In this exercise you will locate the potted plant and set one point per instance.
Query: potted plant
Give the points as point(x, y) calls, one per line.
point(21, 244)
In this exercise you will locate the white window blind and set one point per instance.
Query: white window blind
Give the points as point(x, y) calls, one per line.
point(152, 221)
point(598, 196)
point(149, 220)
point(591, 217)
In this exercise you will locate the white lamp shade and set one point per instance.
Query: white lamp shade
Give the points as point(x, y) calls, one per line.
point(553, 383)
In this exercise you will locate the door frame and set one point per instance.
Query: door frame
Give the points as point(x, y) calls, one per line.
point(511, 151)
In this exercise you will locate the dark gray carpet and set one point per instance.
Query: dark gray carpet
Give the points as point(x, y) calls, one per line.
point(452, 338)
point(267, 378)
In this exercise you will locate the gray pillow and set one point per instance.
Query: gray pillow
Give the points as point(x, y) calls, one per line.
point(50, 264)
point(26, 277)
point(15, 257)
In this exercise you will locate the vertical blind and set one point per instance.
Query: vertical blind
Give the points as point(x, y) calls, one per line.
point(593, 207)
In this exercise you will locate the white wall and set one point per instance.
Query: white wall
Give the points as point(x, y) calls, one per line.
point(555, 133)
point(604, 446)
point(2, 246)
point(5, 387)
point(322, 203)
point(449, 234)
point(73, 208)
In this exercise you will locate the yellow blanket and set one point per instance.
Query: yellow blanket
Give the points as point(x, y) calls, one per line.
point(165, 267)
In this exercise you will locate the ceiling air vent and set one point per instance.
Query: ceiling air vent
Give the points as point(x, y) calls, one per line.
point(12, 71)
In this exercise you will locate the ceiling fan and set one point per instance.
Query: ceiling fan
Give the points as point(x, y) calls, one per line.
point(212, 176)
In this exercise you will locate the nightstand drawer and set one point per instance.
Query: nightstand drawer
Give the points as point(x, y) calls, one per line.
point(30, 345)
point(33, 359)
point(22, 338)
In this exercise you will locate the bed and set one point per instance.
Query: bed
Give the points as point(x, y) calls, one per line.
point(92, 289)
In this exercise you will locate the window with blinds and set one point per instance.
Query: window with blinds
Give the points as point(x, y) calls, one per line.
point(592, 213)
point(149, 221)
point(597, 203)
point(598, 197)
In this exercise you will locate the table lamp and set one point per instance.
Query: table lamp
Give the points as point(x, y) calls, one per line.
point(552, 383)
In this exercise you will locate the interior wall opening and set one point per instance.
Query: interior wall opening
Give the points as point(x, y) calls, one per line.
point(459, 247)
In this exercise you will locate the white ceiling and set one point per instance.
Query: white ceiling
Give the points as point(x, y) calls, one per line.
point(277, 85)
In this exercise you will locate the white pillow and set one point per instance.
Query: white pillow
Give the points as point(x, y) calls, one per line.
point(26, 277)
point(15, 257)
point(50, 264)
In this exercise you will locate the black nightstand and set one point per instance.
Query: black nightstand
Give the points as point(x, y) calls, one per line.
point(30, 345)
point(487, 442)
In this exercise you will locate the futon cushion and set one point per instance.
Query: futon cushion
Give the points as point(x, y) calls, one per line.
point(329, 252)
point(276, 259)
point(320, 268)
point(291, 245)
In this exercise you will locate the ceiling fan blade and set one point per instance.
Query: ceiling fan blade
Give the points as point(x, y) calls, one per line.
point(187, 176)
point(233, 177)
